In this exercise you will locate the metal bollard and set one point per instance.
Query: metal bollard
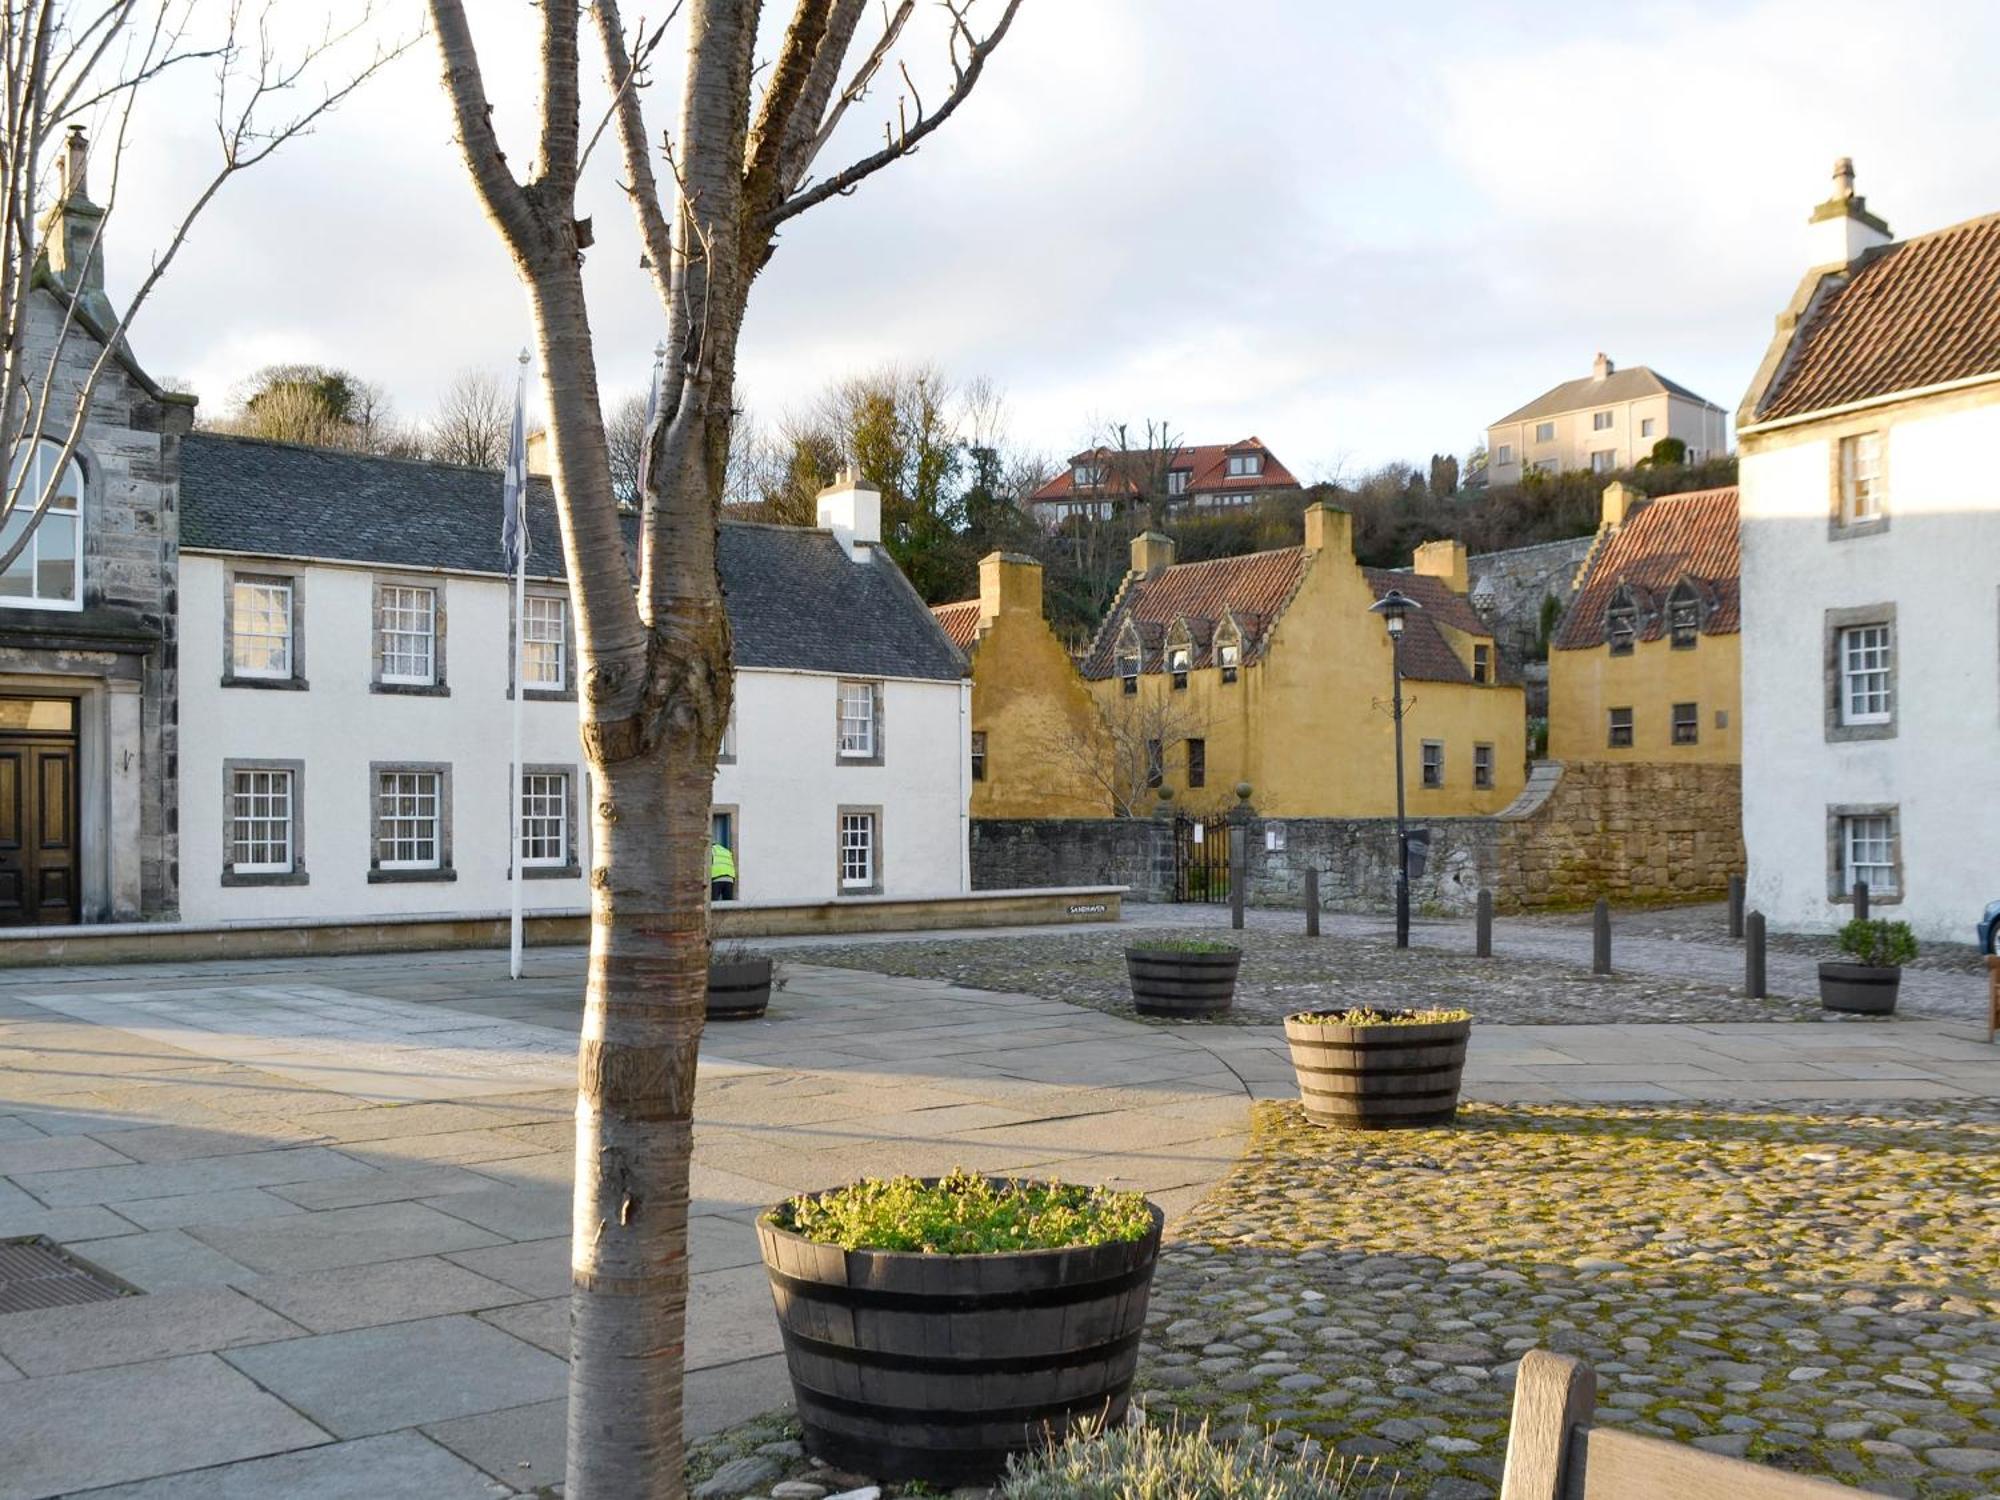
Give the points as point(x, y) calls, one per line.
point(1861, 900)
point(1312, 903)
point(1239, 842)
point(1482, 943)
point(1600, 937)
point(1755, 984)
point(1735, 907)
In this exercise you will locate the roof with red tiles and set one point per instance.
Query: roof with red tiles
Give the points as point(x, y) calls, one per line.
point(1668, 539)
point(1206, 465)
point(960, 621)
point(1252, 592)
point(1921, 312)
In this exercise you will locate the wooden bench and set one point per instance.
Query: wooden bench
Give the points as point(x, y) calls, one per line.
point(1553, 1453)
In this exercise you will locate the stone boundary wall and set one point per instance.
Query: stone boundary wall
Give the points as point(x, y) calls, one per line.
point(1631, 832)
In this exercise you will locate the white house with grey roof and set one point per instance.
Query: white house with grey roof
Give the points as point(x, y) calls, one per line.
point(346, 624)
point(1607, 420)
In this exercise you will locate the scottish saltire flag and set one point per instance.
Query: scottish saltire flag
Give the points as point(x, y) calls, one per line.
point(652, 413)
point(514, 483)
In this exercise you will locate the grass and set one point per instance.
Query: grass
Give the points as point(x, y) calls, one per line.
point(1364, 1016)
point(1171, 1463)
point(964, 1214)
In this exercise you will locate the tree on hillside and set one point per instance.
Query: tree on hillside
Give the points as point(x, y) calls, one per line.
point(73, 62)
point(471, 422)
point(319, 405)
point(655, 665)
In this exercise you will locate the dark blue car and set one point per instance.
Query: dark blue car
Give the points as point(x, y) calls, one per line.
point(1989, 930)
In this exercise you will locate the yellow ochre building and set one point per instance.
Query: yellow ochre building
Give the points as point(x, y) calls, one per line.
point(1647, 664)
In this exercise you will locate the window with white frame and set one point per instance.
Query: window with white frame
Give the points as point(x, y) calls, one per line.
point(1128, 671)
point(1178, 659)
point(1866, 664)
point(1648, 426)
point(47, 574)
point(1482, 766)
point(1684, 616)
point(261, 822)
point(1229, 657)
point(1482, 663)
point(1604, 460)
point(408, 613)
point(1600, 421)
point(857, 720)
point(544, 818)
point(1868, 853)
point(1861, 487)
point(1504, 454)
point(408, 820)
point(1242, 465)
point(1087, 476)
point(1619, 736)
point(1433, 762)
point(260, 627)
point(978, 755)
point(857, 851)
point(1686, 724)
point(1621, 622)
point(1177, 481)
point(1545, 432)
point(544, 642)
point(727, 751)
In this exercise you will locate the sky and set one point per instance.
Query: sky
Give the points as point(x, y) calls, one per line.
point(1360, 231)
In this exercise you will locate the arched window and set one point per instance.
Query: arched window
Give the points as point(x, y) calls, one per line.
point(1622, 621)
point(48, 573)
point(1684, 615)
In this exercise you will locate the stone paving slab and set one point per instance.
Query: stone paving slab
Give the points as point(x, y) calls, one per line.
point(129, 1331)
point(343, 1237)
point(375, 1468)
point(225, 1207)
point(372, 1380)
point(524, 1448)
point(71, 1433)
point(161, 1259)
point(333, 1301)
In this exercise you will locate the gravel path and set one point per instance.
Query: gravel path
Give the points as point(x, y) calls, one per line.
point(1815, 1291)
point(1284, 971)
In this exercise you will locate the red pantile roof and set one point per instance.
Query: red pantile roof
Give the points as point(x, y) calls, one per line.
point(1207, 468)
point(960, 621)
point(1674, 537)
point(1921, 312)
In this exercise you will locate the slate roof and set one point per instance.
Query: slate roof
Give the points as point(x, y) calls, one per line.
point(1919, 312)
point(959, 620)
point(1691, 536)
point(1206, 465)
point(1619, 385)
point(796, 603)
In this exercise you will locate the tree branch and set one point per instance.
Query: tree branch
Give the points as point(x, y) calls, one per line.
point(811, 122)
point(906, 141)
point(505, 200)
point(642, 187)
point(797, 58)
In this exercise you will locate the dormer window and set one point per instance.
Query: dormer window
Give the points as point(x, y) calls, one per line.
point(1245, 465)
point(1179, 659)
point(1128, 670)
point(1622, 622)
point(1177, 481)
point(1684, 616)
point(1087, 476)
point(1228, 657)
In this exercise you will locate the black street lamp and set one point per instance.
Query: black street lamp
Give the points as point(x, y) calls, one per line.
point(1394, 607)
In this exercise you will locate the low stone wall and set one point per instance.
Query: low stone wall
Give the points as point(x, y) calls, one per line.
point(1631, 832)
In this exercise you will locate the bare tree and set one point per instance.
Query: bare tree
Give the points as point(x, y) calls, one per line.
point(655, 665)
point(471, 422)
point(1143, 734)
point(69, 61)
point(318, 405)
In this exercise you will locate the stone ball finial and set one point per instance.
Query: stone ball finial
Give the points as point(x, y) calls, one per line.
point(1242, 791)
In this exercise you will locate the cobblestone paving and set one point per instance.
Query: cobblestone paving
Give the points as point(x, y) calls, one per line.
point(1708, 922)
point(1285, 972)
point(1814, 1291)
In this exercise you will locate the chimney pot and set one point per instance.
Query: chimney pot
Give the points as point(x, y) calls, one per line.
point(1842, 227)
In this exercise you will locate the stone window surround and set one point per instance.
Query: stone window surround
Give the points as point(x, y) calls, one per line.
point(978, 752)
point(1426, 761)
point(88, 489)
point(876, 748)
point(1685, 592)
point(1612, 726)
point(1838, 732)
point(571, 868)
point(297, 874)
point(1623, 601)
point(540, 694)
point(1482, 768)
point(295, 580)
point(840, 886)
point(1838, 529)
point(1839, 890)
point(1195, 749)
point(725, 753)
point(443, 871)
point(440, 685)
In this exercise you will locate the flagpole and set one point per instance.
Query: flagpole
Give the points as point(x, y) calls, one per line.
point(520, 685)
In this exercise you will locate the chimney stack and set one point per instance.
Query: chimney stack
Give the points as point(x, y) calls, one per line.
point(1842, 227)
point(1601, 366)
point(72, 229)
point(1619, 502)
point(1328, 526)
point(1445, 561)
point(1008, 583)
point(852, 511)
point(1152, 552)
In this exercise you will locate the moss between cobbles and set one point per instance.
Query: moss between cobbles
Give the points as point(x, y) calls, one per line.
point(1816, 1291)
point(1282, 973)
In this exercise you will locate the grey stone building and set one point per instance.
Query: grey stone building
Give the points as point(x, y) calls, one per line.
point(88, 610)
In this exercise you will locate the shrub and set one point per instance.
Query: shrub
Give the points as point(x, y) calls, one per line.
point(1878, 943)
point(1364, 1016)
point(964, 1214)
point(1186, 945)
point(1169, 1463)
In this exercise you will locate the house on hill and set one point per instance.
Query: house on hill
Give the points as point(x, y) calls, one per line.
point(1604, 421)
point(1646, 665)
point(1270, 669)
point(1102, 482)
point(1871, 572)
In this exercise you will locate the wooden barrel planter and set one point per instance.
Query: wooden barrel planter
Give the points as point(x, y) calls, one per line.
point(1859, 989)
point(1378, 1076)
point(1180, 985)
point(908, 1366)
point(739, 991)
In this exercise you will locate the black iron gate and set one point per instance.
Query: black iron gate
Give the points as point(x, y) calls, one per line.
point(1201, 859)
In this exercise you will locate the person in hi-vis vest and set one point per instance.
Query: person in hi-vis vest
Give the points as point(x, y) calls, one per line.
point(721, 873)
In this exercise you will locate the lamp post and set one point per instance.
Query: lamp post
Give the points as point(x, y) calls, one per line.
point(1394, 608)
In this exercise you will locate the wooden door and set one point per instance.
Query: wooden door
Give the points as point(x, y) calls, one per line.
point(38, 854)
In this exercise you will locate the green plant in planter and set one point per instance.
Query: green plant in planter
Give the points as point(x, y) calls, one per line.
point(1364, 1016)
point(1877, 943)
point(1170, 1463)
point(964, 1214)
point(1186, 945)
